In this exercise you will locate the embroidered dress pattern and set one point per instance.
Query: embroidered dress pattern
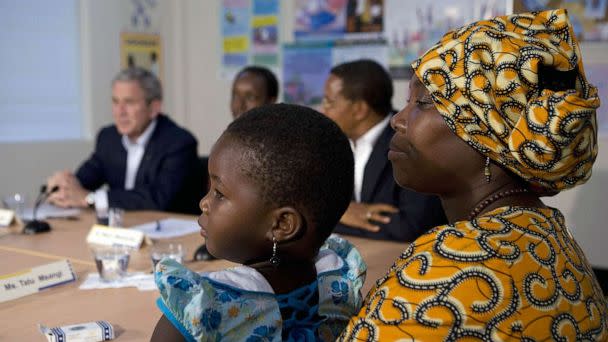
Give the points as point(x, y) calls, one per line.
point(204, 308)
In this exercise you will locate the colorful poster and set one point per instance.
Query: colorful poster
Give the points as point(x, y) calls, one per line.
point(305, 68)
point(320, 19)
point(349, 50)
point(597, 74)
point(589, 18)
point(235, 27)
point(364, 16)
point(142, 50)
point(265, 35)
point(412, 27)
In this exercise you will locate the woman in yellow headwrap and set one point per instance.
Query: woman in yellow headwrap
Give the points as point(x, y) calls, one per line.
point(500, 113)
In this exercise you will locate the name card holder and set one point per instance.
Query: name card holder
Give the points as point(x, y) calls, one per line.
point(30, 281)
point(108, 236)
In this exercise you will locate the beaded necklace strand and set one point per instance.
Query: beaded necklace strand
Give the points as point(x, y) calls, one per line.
point(493, 198)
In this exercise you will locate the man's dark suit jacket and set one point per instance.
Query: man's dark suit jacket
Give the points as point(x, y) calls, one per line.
point(167, 177)
point(417, 212)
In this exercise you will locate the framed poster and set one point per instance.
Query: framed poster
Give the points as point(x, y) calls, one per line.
point(305, 69)
point(589, 18)
point(142, 50)
point(412, 27)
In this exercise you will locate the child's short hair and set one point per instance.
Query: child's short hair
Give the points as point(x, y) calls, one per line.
point(299, 158)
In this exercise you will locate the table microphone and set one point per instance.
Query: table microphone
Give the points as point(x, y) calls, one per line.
point(38, 226)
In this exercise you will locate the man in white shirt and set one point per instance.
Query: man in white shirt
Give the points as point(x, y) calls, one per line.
point(144, 158)
point(358, 98)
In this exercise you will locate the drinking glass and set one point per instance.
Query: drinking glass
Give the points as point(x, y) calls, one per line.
point(111, 217)
point(115, 216)
point(15, 202)
point(170, 250)
point(111, 261)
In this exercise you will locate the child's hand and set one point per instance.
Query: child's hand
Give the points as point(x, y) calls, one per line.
point(363, 215)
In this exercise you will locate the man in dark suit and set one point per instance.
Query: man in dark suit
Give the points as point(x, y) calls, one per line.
point(147, 161)
point(358, 98)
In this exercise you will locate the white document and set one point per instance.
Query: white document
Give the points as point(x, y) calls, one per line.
point(46, 210)
point(143, 282)
point(168, 228)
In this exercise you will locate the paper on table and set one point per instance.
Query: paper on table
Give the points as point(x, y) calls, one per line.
point(143, 282)
point(169, 228)
point(47, 210)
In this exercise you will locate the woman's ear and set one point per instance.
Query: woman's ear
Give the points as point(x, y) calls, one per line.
point(288, 225)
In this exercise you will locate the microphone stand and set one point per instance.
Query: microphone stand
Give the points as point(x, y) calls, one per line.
point(38, 226)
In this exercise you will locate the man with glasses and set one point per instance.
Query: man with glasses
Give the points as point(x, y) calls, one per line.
point(358, 98)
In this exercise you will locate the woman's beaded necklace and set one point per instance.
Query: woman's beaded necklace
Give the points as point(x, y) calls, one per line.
point(493, 198)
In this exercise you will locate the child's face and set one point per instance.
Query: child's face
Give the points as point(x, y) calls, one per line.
point(235, 221)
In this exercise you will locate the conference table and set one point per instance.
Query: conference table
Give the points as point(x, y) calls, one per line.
point(133, 313)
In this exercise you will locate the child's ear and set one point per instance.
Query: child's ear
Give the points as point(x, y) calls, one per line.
point(288, 225)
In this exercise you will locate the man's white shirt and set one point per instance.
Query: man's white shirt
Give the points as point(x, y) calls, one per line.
point(135, 153)
point(362, 150)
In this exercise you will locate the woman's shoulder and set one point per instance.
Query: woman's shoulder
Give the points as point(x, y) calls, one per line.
point(494, 246)
point(503, 262)
point(498, 221)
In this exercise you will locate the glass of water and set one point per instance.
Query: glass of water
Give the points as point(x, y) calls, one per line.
point(111, 217)
point(115, 216)
point(163, 249)
point(112, 262)
point(15, 202)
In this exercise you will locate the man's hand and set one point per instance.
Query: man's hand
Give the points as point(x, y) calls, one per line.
point(363, 215)
point(70, 194)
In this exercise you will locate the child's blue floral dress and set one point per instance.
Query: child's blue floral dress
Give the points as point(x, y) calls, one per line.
point(238, 304)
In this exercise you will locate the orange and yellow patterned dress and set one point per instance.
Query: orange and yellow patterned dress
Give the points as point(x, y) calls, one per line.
point(513, 274)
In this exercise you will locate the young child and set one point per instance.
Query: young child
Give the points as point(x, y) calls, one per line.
point(281, 177)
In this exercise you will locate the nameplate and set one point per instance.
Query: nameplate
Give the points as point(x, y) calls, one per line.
point(108, 236)
point(34, 280)
point(6, 217)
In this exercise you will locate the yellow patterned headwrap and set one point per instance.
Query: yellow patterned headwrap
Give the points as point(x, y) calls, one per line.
point(484, 80)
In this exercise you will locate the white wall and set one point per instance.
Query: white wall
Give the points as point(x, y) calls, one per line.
point(197, 98)
point(27, 165)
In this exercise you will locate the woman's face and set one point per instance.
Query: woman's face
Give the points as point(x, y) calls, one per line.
point(426, 155)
